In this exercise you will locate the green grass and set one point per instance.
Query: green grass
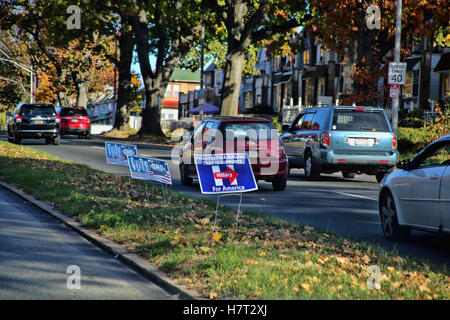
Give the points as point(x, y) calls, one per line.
point(258, 258)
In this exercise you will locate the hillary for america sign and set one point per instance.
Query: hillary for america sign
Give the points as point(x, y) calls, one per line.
point(144, 168)
point(116, 153)
point(225, 173)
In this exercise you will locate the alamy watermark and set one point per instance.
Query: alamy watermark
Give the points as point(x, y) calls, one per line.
point(74, 20)
point(373, 281)
point(373, 17)
point(74, 280)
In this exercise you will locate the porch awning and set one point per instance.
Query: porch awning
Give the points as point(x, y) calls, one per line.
point(443, 64)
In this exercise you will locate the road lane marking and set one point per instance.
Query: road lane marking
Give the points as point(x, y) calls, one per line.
point(354, 195)
point(102, 148)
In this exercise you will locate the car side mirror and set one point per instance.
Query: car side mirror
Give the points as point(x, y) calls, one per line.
point(285, 127)
point(404, 164)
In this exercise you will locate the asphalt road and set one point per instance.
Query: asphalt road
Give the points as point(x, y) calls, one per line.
point(348, 207)
point(36, 252)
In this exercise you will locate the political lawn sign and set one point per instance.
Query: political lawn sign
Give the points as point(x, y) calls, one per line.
point(145, 168)
point(116, 153)
point(225, 173)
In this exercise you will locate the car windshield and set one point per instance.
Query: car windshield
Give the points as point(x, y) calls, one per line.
point(251, 130)
point(37, 111)
point(73, 112)
point(349, 120)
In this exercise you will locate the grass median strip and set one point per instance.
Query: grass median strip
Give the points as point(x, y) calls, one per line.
point(255, 258)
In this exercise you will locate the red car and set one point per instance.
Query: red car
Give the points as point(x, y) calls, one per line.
point(255, 136)
point(75, 121)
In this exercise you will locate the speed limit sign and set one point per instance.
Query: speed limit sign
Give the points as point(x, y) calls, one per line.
point(397, 73)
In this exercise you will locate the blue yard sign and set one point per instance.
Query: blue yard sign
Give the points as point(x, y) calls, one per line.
point(116, 153)
point(225, 173)
point(144, 168)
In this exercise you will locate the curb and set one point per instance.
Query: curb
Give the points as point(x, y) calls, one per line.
point(132, 260)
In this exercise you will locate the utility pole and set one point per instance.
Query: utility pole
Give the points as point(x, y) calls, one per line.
point(201, 72)
point(398, 34)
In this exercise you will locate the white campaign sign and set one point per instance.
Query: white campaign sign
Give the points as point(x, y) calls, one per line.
point(397, 73)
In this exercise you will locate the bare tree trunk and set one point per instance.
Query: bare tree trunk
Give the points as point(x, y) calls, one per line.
point(231, 83)
point(126, 45)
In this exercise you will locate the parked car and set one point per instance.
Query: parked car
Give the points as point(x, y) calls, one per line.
point(34, 121)
point(255, 136)
point(75, 121)
point(347, 139)
point(417, 194)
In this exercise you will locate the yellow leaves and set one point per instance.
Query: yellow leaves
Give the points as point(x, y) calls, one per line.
point(304, 286)
point(178, 240)
point(250, 261)
point(217, 236)
point(212, 295)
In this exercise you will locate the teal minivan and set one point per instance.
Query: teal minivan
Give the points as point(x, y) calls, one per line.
point(353, 140)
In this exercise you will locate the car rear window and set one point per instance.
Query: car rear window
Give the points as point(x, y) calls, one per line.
point(27, 110)
point(73, 112)
point(349, 120)
point(255, 130)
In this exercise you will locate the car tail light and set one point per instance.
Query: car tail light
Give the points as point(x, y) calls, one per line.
point(394, 141)
point(359, 109)
point(281, 152)
point(19, 119)
point(325, 139)
point(58, 119)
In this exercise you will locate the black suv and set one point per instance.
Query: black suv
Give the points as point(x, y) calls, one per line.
point(34, 121)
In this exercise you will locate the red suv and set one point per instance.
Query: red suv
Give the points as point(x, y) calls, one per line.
point(75, 121)
point(255, 136)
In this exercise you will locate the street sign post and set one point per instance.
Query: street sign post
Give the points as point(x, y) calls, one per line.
point(394, 90)
point(116, 153)
point(397, 73)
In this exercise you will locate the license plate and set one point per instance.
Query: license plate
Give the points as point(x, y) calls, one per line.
point(38, 122)
point(364, 142)
point(74, 120)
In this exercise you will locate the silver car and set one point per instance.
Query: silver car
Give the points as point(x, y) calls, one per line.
point(417, 194)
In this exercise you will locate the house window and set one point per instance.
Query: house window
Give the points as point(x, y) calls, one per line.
point(321, 90)
point(247, 99)
point(447, 85)
point(172, 91)
point(309, 92)
point(323, 55)
point(288, 94)
point(306, 57)
point(407, 89)
point(276, 64)
point(415, 87)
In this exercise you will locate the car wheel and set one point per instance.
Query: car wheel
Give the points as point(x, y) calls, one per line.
point(279, 184)
point(56, 140)
point(312, 172)
point(87, 136)
point(17, 140)
point(48, 140)
point(185, 180)
point(389, 221)
point(349, 175)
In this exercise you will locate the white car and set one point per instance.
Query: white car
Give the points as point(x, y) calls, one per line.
point(417, 194)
